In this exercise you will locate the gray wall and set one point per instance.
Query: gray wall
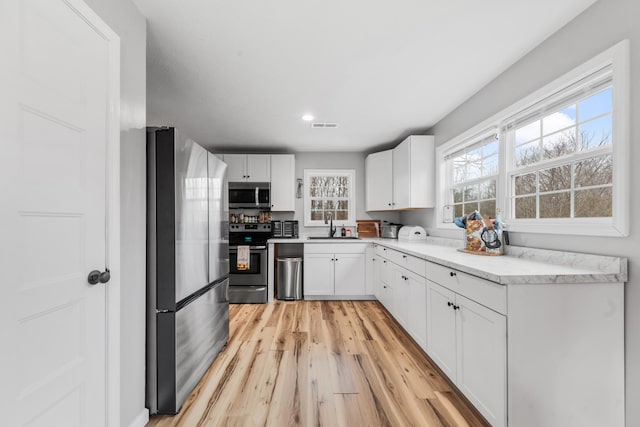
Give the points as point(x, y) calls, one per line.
point(125, 19)
point(334, 161)
point(598, 28)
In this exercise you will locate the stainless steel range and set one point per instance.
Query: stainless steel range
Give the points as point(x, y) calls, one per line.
point(250, 285)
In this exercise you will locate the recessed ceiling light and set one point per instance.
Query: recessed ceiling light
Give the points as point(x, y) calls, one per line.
point(307, 117)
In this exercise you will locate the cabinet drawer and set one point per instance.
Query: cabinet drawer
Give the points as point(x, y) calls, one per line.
point(485, 292)
point(383, 252)
point(411, 263)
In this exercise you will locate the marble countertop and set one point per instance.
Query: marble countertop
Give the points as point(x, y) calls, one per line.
point(519, 265)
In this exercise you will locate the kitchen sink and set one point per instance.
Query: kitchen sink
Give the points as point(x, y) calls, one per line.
point(333, 238)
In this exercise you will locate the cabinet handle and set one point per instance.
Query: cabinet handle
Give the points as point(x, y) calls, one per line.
point(384, 249)
point(452, 273)
point(384, 262)
point(404, 256)
point(389, 204)
point(384, 286)
point(449, 303)
point(456, 307)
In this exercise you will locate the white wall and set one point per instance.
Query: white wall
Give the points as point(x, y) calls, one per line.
point(598, 28)
point(125, 19)
point(334, 161)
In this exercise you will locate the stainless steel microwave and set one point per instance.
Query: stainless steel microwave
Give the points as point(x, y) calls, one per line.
point(249, 195)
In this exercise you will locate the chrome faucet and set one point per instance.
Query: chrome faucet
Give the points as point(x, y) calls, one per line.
point(329, 217)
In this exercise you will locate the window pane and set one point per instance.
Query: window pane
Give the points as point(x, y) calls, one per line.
point(470, 207)
point(556, 205)
point(490, 166)
point(328, 205)
point(596, 133)
point(596, 105)
point(528, 153)
point(317, 216)
point(316, 205)
point(525, 184)
point(341, 215)
point(491, 148)
point(488, 189)
point(559, 144)
point(560, 120)
point(470, 193)
point(555, 178)
point(526, 207)
point(474, 167)
point(488, 207)
point(528, 132)
point(343, 205)
point(594, 171)
point(457, 195)
point(593, 203)
point(459, 167)
point(457, 210)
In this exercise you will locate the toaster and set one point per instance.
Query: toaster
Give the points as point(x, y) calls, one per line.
point(390, 231)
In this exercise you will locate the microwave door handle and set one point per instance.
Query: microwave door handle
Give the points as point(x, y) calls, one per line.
point(257, 196)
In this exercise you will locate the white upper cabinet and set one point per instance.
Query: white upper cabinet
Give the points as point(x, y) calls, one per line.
point(379, 184)
point(248, 167)
point(402, 178)
point(414, 173)
point(283, 182)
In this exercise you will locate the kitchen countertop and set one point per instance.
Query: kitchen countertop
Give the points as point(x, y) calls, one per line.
point(519, 265)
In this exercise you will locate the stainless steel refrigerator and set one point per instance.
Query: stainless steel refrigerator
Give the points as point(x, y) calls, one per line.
point(187, 266)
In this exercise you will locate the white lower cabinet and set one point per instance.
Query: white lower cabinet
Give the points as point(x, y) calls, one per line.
point(318, 274)
point(468, 341)
point(334, 269)
point(411, 304)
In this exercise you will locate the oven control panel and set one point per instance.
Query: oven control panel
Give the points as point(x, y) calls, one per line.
point(244, 228)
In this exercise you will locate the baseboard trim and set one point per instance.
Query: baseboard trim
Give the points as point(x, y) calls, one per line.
point(141, 420)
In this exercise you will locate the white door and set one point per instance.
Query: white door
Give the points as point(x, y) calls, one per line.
point(283, 182)
point(54, 115)
point(236, 167)
point(441, 328)
point(400, 295)
point(402, 175)
point(258, 168)
point(349, 274)
point(379, 181)
point(318, 274)
point(417, 311)
point(482, 359)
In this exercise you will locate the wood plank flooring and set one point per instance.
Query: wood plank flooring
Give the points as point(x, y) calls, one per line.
point(321, 363)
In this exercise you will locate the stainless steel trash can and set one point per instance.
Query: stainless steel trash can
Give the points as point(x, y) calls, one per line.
point(289, 280)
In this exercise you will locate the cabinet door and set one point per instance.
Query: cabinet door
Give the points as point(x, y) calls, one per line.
point(401, 175)
point(441, 328)
point(318, 274)
point(400, 295)
point(379, 181)
point(283, 182)
point(422, 166)
point(386, 271)
point(482, 358)
point(258, 168)
point(236, 167)
point(417, 310)
point(349, 274)
point(377, 280)
point(369, 272)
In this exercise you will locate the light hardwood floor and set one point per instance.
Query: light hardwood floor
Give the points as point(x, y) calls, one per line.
point(321, 363)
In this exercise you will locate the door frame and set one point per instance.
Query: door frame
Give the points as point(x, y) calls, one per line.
point(112, 232)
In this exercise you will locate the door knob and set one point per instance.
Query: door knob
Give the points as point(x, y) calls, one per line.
point(96, 277)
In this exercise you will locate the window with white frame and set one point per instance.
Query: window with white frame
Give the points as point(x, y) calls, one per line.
point(329, 192)
point(473, 175)
point(561, 161)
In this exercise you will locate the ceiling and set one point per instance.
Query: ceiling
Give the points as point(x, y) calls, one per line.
point(238, 75)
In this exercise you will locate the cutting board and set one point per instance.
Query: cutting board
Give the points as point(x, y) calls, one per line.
point(368, 227)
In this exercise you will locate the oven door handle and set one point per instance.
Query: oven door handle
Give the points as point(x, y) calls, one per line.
point(250, 247)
